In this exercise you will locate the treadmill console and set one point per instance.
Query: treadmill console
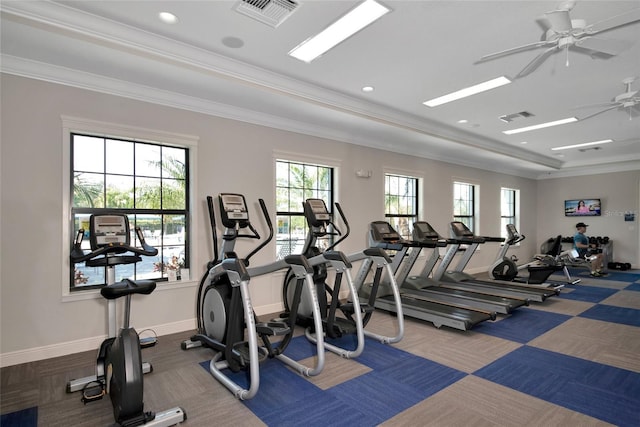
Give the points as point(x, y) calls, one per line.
point(233, 210)
point(459, 229)
point(382, 231)
point(423, 230)
point(108, 230)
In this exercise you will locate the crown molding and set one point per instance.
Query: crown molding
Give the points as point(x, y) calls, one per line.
point(621, 166)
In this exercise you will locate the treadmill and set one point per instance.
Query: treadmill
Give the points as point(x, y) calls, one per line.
point(425, 236)
point(416, 304)
point(461, 235)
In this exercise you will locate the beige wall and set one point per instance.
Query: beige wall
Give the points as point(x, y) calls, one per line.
point(619, 193)
point(231, 157)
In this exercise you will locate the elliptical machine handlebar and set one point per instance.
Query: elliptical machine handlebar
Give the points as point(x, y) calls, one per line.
point(267, 218)
point(346, 224)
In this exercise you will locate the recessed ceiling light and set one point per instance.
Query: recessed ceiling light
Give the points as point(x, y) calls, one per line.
point(540, 126)
point(362, 15)
point(168, 17)
point(472, 90)
point(524, 142)
point(367, 89)
point(463, 121)
point(586, 144)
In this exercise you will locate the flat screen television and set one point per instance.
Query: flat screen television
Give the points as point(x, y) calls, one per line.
point(582, 207)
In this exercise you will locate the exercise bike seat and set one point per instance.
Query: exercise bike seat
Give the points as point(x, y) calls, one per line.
point(128, 287)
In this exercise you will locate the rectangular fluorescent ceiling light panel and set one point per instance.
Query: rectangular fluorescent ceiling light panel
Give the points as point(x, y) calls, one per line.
point(541, 126)
point(362, 15)
point(472, 90)
point(586, 144)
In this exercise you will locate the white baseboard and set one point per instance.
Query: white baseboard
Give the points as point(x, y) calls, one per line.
point(77, 346)
point(269, 309)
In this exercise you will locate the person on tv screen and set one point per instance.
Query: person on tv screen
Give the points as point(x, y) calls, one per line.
point(582, 245)
point(583, 208)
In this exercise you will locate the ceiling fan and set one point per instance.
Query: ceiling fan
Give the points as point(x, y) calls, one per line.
point(629, 100)
point(562, 32)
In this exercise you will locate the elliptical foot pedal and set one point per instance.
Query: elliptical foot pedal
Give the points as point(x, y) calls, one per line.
point(242, 355)
point(273, 328)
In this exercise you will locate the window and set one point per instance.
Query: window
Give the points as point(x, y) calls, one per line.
point(296, 182)
point(464, 199)
point(149, 182)
point(401, 203)
point(509, 200)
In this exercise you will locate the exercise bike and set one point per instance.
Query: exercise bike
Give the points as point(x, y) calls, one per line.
point(341, 318)
point(506, 269)
point(226, 321)
point(119, 369)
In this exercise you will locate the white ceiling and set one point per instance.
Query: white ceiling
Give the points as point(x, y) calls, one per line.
point(421, 50)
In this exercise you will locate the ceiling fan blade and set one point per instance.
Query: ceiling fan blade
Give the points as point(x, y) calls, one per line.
point(600, 105)
point(560, 20)
point(531, 66)
point(511, 51)
point(615, 22)
point(606, 46)
point(599, 112)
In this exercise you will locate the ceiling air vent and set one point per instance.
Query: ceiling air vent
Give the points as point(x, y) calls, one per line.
point(508, 118)
point(270, 12)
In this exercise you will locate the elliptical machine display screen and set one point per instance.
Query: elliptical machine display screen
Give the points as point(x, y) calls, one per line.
point(109, 230)
point(233, 209)
point(317, 213)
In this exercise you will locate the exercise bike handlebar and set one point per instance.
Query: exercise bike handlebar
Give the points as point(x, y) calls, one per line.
point(78, 255)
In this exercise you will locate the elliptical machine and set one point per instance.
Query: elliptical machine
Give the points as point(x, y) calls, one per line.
point(506, 268)
point(340, 318)
point(119, 370)
point(225, 316)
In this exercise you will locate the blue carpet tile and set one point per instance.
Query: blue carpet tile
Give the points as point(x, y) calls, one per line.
point(588, 293)
point(604, 392)
point(609, 313)
point(23, 418)
point(398, 381)
point(619, 276)
point(633, 287)
point(522, 325)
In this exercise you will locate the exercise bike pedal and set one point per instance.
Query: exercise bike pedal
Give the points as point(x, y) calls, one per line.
point(148, 342)
point(93, 393)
